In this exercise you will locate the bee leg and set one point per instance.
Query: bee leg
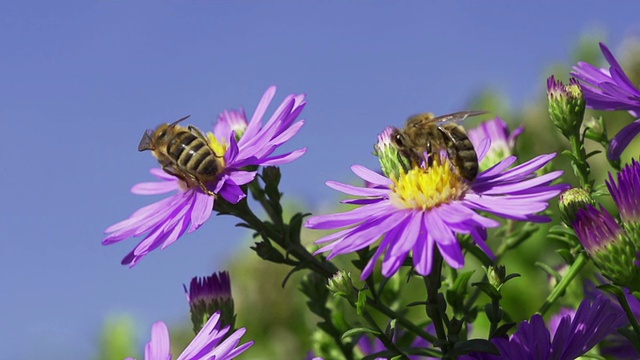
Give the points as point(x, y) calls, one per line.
point(207, 191)
point(174, 172)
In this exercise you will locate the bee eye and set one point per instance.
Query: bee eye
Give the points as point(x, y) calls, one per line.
point(162, 133)
point(399, 140)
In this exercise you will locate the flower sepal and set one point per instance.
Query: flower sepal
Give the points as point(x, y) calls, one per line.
point(392, 163)
point(571, 201)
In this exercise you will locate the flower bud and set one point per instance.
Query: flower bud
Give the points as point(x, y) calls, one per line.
point(207, 295)
point(342, 285)
point(391, 161)
point(571, 201)
point(496, 276)
point(566, 105)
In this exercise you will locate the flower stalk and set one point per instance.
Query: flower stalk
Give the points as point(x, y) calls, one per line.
point(581, 260)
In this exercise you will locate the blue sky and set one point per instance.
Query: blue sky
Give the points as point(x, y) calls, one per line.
point(80, 81)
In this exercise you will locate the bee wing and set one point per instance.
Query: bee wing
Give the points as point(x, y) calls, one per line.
point(145, 142)
point(195, 131)
point(457, 116)
point(179, 121)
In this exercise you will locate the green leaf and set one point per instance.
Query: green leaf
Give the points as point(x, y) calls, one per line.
point(503, 329)
point(359, 330)
point(488, 289)
point(549, 270)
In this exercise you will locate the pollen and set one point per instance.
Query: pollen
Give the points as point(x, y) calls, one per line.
point(218, 148)
point(425, 188)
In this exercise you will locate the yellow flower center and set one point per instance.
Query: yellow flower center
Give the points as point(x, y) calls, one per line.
point(423, 189)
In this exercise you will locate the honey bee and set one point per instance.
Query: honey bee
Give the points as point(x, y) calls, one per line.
point(426, 133)
point(183, 152)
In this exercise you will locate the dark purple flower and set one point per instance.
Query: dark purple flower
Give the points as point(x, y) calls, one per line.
point(626, 193)
point(208, 295)
point(427, 206)
point(573, 337)
point(596, 228)
point(211, 343)
point(243, 144)
point(616, 345)
point(611, 89)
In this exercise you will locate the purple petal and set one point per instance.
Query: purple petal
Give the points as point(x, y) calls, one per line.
point(371, 176)
point(231, 155)
point(355, 190)
point(409, 235)
point(284, 158)
point(232, 192)
point(452, 254)
point(258, 114)
point(242, 177)
point(333, 221)
point(423, 253)
point(159, 173)
point(287, 134)
point(438, 230)
point(381, 249)
point(497, 168)
point(153, 188)
point(483, 148)
point(622, 139)
point(367, 233)
point(201, 211)
point(159, 345)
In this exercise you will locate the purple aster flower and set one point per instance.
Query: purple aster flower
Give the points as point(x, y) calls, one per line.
point(611, 89)
point(573, 337)
point(626, 193)
point(189, 207)
point(211, 343)
point(427, 206)
point(501, 139)
point(615, 345)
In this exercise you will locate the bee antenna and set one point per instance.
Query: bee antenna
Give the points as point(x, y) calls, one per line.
point(179, 121)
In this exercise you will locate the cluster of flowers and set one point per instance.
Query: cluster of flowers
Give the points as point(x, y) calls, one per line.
point(418, 213)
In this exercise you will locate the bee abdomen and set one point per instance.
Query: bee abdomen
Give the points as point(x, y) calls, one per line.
point(192, 154)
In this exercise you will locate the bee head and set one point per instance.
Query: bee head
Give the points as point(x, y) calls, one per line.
point(147, 139)
point(399, 139)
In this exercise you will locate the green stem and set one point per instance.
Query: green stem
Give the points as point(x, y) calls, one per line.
point(581, 166)
point(560, 287)
point(433, 282)
point(401, 319)
point(326, 268)
point(388, 343)
point(495, 318)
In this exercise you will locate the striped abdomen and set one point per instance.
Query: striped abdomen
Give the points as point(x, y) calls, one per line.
point(461, 150)
point(192, 155)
